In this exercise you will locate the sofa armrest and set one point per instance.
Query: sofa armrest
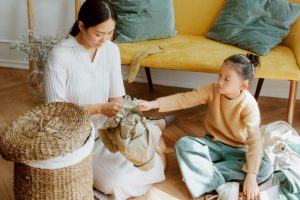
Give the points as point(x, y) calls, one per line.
point(293, 39)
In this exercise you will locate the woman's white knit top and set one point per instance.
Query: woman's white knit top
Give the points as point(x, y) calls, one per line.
point(71, 76)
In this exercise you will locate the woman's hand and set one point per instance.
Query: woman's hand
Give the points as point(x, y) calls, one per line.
point(110, 109)
point(147, 105)
point(251, 189)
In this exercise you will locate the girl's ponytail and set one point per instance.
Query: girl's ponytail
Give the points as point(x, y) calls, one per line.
point(254, 59)
point(245, 64)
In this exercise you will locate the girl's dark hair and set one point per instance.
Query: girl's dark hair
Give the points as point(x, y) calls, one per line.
point(245, 65)
point(92, 13)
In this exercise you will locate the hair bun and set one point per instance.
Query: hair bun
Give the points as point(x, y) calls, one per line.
point(254, 59)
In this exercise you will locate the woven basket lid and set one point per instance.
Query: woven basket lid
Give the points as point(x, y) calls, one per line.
point(47, 131)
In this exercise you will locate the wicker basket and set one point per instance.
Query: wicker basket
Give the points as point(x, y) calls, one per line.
point(74, 182)
point(44, 133)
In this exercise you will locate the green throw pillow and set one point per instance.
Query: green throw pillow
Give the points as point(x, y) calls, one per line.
point(256, 25)
point(140, 20)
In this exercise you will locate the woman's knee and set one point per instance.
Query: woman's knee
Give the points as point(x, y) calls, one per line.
point(107, 186)
point(103, 185)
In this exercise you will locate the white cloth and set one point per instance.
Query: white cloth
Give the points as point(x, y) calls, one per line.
point(276, 136)
point(278, 131)
point(113, 174)
point(282, 156)
point(70, 76)
point(272, 193)
point(68, 159)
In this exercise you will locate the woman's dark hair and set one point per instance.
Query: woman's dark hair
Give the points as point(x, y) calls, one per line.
point(245, 65)
point(92, 13)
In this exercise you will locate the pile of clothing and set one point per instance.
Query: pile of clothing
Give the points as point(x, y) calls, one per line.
point(282, 147)
point(132, 134)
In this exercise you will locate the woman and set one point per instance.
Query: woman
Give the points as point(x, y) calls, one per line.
point(85, 69)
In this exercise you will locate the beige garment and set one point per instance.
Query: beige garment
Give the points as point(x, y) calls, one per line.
point(135, 61)
point(132, 134)
point(234, 122)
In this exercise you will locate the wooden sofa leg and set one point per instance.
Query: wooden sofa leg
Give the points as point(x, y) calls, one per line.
point(149, 79)
point(292, 101)
point(258, 87)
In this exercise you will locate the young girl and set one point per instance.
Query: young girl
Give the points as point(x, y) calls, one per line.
point(231, 151)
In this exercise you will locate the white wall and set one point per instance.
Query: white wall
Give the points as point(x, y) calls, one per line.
point(51, 17)
point(57, 16)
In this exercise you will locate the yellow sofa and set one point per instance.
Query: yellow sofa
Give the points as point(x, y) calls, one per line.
point(190, 50)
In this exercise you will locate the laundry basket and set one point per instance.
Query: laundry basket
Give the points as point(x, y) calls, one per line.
point(51, 146)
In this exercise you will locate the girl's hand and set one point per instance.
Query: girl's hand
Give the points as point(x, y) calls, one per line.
point(147, 105)
point(251, 189)
point(110, 109)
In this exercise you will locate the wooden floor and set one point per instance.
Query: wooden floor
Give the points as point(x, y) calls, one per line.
point(15, 100)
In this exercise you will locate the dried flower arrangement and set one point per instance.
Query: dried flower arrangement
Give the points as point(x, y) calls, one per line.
point(36, 48)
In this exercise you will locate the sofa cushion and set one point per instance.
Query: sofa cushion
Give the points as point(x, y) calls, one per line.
point(199, 54)
point(254, 25)
point(140, 20)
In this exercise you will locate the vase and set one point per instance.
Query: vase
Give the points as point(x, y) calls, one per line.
point(35, 83)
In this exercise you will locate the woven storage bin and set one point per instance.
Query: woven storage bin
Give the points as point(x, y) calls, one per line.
point(46, 133)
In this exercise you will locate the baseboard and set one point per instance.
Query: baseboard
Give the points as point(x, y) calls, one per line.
point(5, 41)
point(11, 58)
point(13, 64)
